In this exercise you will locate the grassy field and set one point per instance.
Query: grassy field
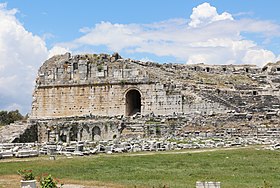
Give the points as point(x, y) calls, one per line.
point(233, 168)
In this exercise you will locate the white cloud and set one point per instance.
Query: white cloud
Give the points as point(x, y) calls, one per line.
point(207, 37)
point(259, 56)
point(57, 50)
point(205, 14)
point(196, 59)
point(15, 106)
point(146, 59)
point(21, 53)
point(115, 36)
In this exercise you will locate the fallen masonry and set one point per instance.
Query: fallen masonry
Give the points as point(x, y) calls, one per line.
point(24, 150)
point(208, 184)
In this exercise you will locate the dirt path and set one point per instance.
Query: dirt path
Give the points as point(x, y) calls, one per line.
point(13, 181)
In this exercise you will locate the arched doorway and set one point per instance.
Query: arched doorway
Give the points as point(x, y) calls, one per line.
point(96, 133)
point(132, 102)
point(80, 137)
point(74, 133)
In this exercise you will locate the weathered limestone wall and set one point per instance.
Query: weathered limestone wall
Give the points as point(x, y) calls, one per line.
point(204, 107)
point(101, 100)
point(77, 101)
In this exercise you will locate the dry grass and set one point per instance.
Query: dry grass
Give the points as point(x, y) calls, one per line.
point(13, 181)
point(91, 184)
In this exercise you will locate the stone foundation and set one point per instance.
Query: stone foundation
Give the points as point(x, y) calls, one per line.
point(77, 130)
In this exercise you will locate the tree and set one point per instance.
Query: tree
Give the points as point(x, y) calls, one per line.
point(10, 117)
point(3, 117)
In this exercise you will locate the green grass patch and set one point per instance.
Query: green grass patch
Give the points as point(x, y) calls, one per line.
point(233, 168)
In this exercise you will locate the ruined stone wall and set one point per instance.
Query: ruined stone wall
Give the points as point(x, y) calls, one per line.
point(99, 85)
point(101, 100)
point(204, 107)
point(65, 130)
point(96, 86)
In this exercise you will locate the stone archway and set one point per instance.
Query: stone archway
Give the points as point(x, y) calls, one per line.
point(80, 134)
point(96, 133)
point(132, 102)
point(73, 134)
point(85, 133)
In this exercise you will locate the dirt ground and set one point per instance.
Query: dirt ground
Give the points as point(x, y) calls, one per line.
point(13, 181)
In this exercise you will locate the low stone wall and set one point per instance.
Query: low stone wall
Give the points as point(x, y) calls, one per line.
point(67, 130)
point(208, 184)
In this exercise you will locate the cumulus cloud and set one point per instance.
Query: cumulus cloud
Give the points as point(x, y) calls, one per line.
point(57, 50)
point(258, 56)
point(115, 36)
point(206, 37)
point(21, 53)
point(205, 14)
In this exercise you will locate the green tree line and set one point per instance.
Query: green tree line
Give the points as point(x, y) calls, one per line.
point(10, 117)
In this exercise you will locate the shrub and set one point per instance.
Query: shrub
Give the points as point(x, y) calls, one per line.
point(99, 68)
point(26, 175)
point(47, 181)
point(266, 185)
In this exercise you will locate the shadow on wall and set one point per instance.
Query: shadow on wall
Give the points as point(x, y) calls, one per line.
point(133, 102)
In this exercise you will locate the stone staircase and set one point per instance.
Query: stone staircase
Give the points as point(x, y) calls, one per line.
point(213, 97)
point(131, 129)
point(18, 132)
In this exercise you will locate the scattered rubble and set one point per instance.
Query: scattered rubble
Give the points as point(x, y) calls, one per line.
point(82, 148)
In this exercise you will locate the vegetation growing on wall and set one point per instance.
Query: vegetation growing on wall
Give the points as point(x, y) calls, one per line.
point(100, 68)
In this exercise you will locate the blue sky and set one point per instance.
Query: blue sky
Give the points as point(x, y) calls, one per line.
point(179, 31)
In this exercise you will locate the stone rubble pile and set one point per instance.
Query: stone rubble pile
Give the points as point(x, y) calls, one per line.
point(18, 150)
point(22, 150)
point(18, 132)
